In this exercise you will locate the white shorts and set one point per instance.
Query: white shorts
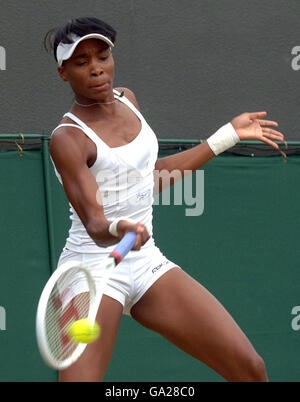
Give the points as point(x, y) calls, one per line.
point(131, 278)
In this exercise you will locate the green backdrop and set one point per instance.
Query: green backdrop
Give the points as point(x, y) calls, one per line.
point(244, 248)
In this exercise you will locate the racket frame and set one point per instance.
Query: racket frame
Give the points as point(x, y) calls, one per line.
point(41, 332)
point(115, 257)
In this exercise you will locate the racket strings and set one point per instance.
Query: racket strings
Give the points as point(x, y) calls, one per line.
point(69, 301)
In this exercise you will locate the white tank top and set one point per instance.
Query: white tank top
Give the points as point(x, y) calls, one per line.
point(125, 178)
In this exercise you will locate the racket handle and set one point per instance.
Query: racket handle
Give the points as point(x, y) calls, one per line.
point(123, 247)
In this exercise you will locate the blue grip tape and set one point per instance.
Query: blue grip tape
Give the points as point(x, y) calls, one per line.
point(126, 244)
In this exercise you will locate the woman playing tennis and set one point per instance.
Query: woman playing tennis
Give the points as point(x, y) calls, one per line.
point(105, 155)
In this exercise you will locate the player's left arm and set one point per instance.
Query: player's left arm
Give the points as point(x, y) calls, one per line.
point(247, 126)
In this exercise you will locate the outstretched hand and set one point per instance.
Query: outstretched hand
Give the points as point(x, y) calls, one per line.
point(250, 126)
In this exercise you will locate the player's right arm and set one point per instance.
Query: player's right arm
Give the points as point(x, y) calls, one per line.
point(70, 151)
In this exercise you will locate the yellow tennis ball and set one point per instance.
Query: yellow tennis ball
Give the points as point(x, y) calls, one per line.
point(82, 331)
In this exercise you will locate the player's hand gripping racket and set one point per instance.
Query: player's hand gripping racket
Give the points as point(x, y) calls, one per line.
point(70, 295)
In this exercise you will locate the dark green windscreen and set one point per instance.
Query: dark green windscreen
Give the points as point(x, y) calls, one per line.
point(244, 248)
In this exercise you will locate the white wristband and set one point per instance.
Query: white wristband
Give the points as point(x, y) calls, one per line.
point(113, 226)
point(226, 137)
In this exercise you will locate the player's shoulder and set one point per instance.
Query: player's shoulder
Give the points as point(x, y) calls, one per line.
point(129, 95)
point(66, 128)
point(67, 136)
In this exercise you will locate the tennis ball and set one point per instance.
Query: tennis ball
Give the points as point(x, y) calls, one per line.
point(82, 331)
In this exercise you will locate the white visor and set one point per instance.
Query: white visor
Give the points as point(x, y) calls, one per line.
point(65, 50)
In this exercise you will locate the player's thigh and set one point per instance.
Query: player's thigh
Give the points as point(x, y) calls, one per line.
point(92, 365)
point(187, 314)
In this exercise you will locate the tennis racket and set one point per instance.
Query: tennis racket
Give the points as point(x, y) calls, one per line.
point(70, 295)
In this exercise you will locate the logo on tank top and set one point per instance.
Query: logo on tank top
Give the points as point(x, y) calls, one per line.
point(123, 186)
point(143, 195)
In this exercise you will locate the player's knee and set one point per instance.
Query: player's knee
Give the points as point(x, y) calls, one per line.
point(251, 369)
point(257, 369)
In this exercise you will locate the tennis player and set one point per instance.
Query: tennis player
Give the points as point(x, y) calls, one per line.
point(105, 155)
